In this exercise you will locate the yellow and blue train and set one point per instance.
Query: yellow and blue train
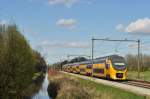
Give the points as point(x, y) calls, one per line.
point(109, 67)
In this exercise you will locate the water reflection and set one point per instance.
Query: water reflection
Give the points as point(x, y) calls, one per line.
point(42, 94)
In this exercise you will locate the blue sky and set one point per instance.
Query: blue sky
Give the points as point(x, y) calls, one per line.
point(60, 27)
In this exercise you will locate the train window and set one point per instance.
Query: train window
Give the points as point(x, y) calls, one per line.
point(101, 71)
point(89, 66)
point(99, 61)
point(119, 64)
point(82, 70)
point(97, 70)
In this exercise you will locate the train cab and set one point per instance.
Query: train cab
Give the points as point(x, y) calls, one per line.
point(118, 68)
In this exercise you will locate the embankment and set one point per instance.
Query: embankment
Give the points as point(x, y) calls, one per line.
point(64, 86)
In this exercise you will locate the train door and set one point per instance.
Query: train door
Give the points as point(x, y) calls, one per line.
point(107, 69)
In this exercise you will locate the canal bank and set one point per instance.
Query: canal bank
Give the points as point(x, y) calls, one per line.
point(42, 94)
point(72, 87)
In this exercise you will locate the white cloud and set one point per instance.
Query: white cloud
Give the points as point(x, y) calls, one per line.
point(51, 50)
point(2, 22)
point(67, 3)
point(76, 45)
point(120, 27)
point(135, 45)
point(57, 44)
point(140, 26)
point(146, 48)
point(68, 23)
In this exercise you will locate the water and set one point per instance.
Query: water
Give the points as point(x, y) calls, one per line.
point(42, 94)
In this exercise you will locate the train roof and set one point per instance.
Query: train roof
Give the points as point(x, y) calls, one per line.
point(110, 56)
point(78, 63)
point(97, 60)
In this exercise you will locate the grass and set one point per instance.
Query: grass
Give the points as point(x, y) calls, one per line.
point(143, 75)
point(36, 75)
point(63, 87)
point(108, 92)
point(71, 87)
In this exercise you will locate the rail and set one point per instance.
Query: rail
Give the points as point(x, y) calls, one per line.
point(138, 83)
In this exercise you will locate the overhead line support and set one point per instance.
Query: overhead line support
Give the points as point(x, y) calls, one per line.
point(124, 40)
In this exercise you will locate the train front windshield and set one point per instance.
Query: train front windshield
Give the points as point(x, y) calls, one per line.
point(119, 63)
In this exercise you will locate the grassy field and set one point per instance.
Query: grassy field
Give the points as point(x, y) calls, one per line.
point(143, 75)
point(110, 92)
point(70, 87)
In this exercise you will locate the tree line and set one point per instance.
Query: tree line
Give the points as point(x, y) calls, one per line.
point(18, 62)
point(59, 65)
point(132, 62)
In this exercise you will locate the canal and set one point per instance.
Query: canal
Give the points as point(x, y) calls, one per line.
point(43, 94)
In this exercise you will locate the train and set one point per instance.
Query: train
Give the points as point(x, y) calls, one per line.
point(109, 67)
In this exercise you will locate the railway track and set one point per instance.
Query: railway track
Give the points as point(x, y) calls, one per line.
point(138, 83)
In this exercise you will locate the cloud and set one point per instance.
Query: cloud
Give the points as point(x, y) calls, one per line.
point(51, 50)
point(3, 22)
point(67, 23)
point(67, 3)
point(120, 28)
point(135, 46)
point(76, 45)
point(140, 26)
point(57, 44)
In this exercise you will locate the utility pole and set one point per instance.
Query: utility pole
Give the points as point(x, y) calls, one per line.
point(92, 49)
point(124, 40)
point(92, 56)
point(138, 58)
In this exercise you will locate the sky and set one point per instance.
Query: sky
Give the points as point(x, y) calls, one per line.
point(57, 28)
